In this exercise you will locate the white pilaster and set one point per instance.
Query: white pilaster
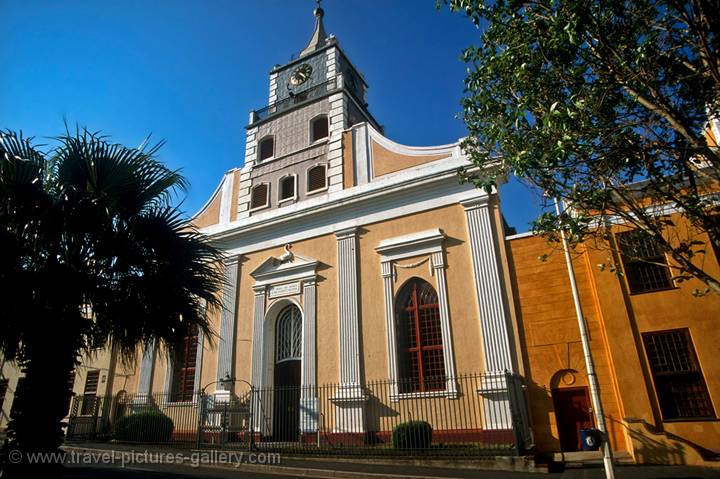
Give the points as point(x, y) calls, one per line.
point(494, 323)
point(438, 264)
point(257, 357)
point(257, 341)
point(228, 319)
point(350, 397)
point(147, 371)
point(348, 311)
point(388, 275)
point(308, 398)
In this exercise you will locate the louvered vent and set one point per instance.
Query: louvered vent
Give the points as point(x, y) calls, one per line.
point(316, 178)
point(259, 196)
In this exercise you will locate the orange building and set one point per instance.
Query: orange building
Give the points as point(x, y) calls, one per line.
point(654, 343)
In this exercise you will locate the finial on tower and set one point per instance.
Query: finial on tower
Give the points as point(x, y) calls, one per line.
point(319, 37)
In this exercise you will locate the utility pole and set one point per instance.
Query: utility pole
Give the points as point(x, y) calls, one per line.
point(589, 363)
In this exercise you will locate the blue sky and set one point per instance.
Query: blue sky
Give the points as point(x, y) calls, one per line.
point(189, 71)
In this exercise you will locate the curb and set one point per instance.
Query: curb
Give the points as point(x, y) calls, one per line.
point(271, 469)
point(293, 470)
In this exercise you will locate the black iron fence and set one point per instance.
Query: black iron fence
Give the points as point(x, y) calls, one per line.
point(470, 414)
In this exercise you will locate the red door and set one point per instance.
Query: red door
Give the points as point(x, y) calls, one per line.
point(572, 413)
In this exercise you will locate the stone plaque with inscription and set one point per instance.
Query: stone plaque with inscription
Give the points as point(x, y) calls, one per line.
point(287, 289)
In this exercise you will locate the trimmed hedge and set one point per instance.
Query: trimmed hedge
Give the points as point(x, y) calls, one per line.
point(151, 426)
point(412, 435)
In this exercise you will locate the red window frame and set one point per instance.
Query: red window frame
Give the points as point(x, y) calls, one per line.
point(183, 379)
point(423, 340)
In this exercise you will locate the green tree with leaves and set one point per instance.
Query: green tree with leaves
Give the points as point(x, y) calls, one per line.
point(94, 254)
point(605, 105)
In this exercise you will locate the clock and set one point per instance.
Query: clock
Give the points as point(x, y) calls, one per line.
point(301, 74)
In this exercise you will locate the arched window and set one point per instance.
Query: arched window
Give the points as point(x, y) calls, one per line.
point(420, 346)
point(259, 196)
point(318, 128)
point(266, 148)
point(287, 188)
point(316, 178)
point(288, 336)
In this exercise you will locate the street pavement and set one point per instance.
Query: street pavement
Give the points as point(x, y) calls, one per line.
point(187, 472)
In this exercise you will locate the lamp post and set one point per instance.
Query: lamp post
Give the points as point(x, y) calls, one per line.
point(589, 363)
point(225, 382)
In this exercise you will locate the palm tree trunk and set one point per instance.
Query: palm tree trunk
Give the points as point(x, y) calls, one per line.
point(40, 404)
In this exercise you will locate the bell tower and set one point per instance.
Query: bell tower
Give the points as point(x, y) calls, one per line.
point(294, 144)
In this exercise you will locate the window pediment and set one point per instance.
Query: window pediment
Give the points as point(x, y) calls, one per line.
point(415, 244)
point(276, 270)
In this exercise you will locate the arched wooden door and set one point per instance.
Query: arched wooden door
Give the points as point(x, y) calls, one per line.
point(288, 351)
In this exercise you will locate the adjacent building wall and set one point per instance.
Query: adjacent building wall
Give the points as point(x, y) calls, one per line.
point(616, 321)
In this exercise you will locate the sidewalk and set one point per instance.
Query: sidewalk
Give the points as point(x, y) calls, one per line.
point(390, 468)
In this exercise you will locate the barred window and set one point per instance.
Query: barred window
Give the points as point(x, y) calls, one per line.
point(316, 178)
point(267, 148)
point(679, 383)
point(259, 196)
point(318, 128)
point(644, 263)
point(288, 343)
point(287, 188)
point(184, 359)
point(420, 346)
point(90, 392)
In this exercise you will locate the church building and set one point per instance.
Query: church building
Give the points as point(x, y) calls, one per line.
point(350, 259)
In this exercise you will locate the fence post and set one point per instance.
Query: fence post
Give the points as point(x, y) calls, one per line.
point(201, 419)
point(251, 428)
point(223, 430)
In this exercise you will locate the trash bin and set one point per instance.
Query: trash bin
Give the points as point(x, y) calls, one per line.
point(591, 439)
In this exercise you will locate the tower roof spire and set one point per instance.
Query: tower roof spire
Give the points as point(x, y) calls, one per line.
point(319, 36)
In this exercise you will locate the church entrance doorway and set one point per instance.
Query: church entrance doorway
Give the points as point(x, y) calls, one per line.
point(287, 401)
point(288, 347)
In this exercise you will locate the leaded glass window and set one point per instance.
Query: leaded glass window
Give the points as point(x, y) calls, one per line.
point(289, 334)
point(419, 333)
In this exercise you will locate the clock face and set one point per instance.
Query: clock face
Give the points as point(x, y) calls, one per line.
point(300, 75)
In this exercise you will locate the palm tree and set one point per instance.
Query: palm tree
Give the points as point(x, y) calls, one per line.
point(92, 253)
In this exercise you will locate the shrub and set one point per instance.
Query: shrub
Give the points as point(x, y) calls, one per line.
point(412, 435)
point(151, 426)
